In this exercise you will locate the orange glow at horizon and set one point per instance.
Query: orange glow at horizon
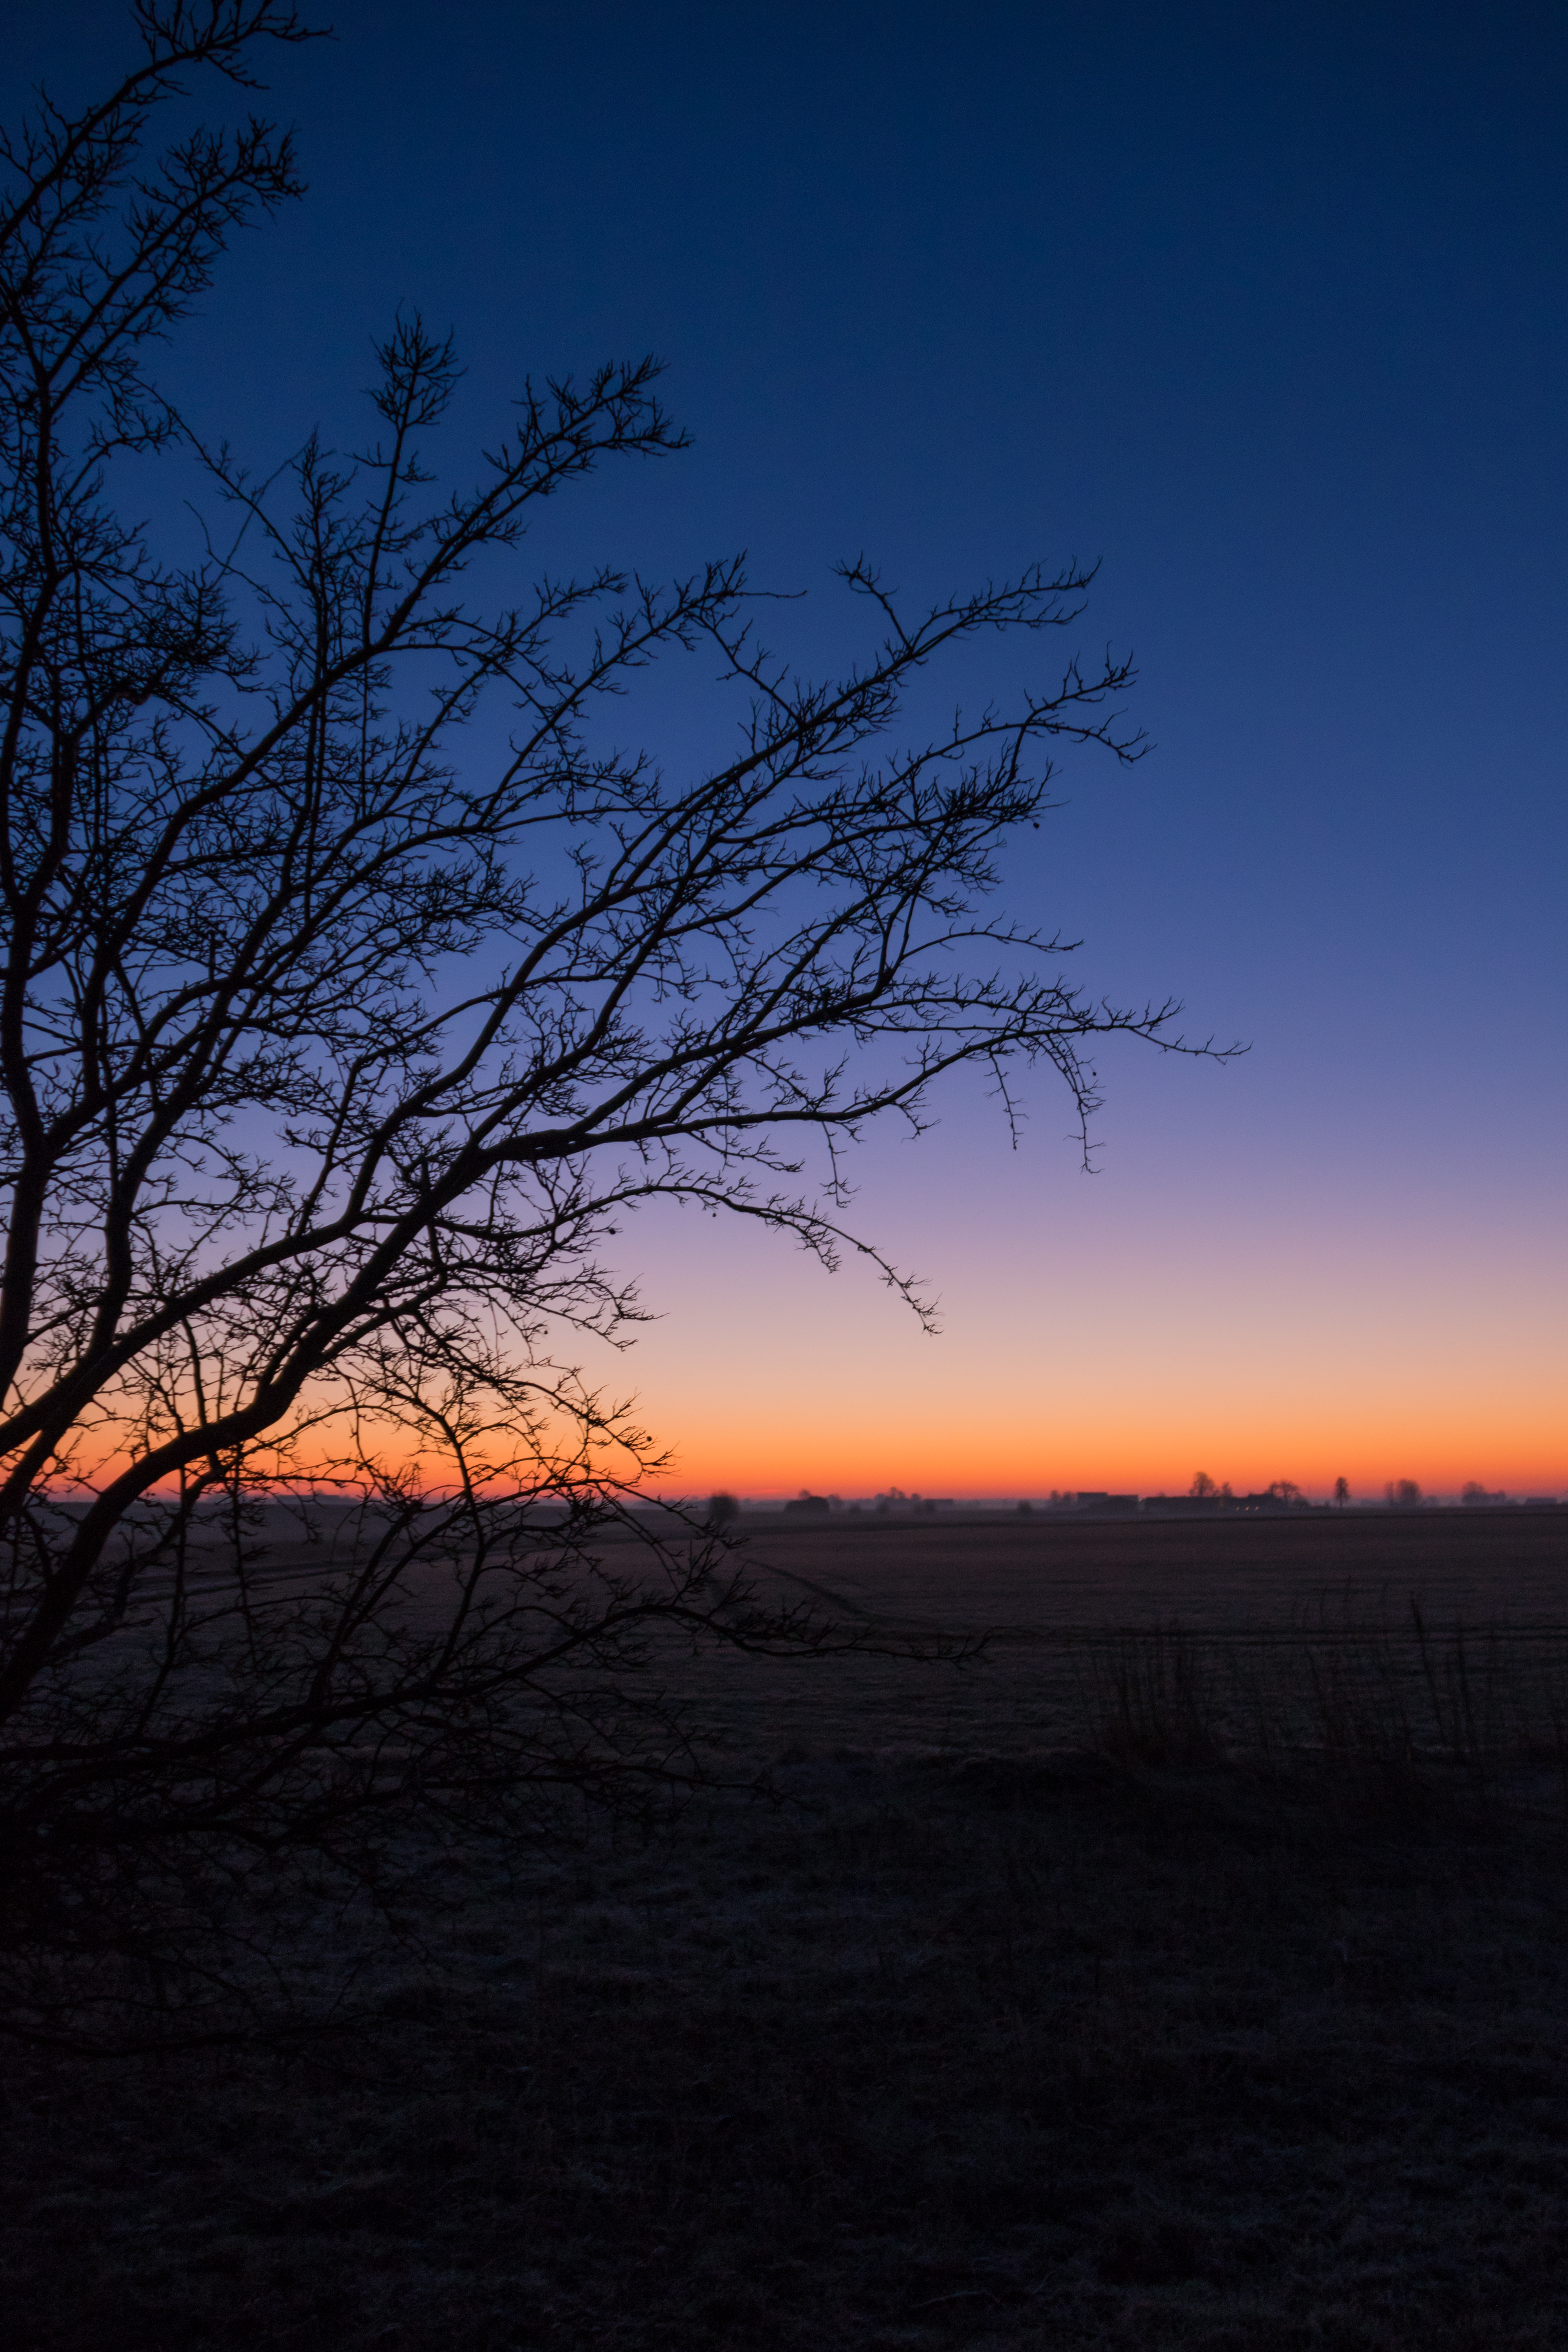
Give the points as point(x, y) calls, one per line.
point(723, 1445)
point(1122, 1343)
point(1122, 1334)
point(1144, 1454)
point(841, 1395)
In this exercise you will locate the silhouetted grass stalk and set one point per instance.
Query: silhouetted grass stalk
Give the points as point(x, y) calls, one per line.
point(1351, 1696)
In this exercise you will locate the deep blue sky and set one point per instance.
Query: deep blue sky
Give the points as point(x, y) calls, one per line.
point(1264, 309)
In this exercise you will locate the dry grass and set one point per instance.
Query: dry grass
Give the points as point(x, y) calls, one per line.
point(1348, 1693)
point(959, 2044)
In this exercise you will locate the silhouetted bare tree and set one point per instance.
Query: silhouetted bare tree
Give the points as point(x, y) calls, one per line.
point(334, 1040)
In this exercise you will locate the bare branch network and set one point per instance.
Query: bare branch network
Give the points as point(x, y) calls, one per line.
point(333, 1038)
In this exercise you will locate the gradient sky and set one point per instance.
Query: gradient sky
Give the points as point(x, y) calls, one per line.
point(1263, 309)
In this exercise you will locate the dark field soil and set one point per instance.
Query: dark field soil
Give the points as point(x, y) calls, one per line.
point(974, 2039)
point(1040, 1586)
point(1049, 1571)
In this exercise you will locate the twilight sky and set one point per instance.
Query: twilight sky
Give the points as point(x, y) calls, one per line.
point(1262, 307)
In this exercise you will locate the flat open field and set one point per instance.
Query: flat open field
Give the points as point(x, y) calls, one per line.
point(997, 2030)
point(1047, 1592)
point(1047, 1571)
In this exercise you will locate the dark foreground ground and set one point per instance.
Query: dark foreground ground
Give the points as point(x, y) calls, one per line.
point(972, 2040)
